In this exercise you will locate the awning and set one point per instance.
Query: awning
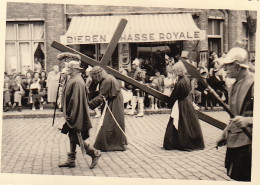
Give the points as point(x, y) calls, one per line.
point(140, 28)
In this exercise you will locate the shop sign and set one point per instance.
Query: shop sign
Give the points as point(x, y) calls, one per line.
point(124, 56)
point(135, 37)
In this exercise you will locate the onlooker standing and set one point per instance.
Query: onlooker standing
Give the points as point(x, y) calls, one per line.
point(140, 94)
point(169, 82)
point(53, 83)
point(161, 84)
point(133, 74)
point(147, 66)
point(37, 65)
point(155, 85)
point(44, 86)
point(238, 160)
point(7, 93)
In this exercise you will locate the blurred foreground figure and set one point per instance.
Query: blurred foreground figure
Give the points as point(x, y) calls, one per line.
point(239, 145)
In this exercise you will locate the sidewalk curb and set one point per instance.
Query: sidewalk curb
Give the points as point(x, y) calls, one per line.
point(48, 113)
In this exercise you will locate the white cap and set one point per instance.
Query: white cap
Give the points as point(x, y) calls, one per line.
point(237, 54)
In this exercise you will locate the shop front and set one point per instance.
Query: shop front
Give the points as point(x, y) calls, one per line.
point(146, 36)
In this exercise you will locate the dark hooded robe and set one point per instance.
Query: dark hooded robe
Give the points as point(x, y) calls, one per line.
point(188, 136)
point(110, 137)
point(75, 108)
point(239, 147)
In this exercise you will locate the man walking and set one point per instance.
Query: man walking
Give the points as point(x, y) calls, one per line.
point(110, 136)
point(76, 113)
point(239, 145)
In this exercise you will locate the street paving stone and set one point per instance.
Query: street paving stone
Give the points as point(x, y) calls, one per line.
point(34, 146)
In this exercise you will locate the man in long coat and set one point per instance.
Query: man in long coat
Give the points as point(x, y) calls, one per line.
point(239, 146)
point(76, 114)
point(110, 136)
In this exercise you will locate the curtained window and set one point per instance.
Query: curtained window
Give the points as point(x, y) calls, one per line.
point(24, 42)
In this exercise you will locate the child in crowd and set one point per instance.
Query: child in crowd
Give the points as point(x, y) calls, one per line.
point(153, 100)
point(35, 91)
point(138, 96)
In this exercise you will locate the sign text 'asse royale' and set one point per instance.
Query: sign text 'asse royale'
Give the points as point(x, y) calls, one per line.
point(145, 37)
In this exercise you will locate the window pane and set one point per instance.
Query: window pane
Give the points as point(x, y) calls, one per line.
point(23, 31)
point(10, 58)
point(38, 30)
point(38, 53)
point(210, 28)
point(25, 55)
point(216, 27)
point(10, 31)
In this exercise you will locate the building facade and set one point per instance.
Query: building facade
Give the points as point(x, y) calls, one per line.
point(150, 33)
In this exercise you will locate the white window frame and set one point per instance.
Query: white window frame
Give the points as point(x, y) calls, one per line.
point(31, 41)
point(221, 31)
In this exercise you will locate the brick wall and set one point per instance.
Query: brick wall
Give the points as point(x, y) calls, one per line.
point(111, 9)
point(55, 23)
point(216, 13)
point(55, 26)
point(24, 10)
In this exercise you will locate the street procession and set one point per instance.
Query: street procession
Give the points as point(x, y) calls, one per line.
point(128, 91)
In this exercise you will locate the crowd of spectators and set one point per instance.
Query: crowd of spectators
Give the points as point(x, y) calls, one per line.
point(32, 89)
point(212, 72)
point(36, 88)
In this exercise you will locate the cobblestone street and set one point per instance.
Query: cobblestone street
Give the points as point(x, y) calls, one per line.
point(33, 146)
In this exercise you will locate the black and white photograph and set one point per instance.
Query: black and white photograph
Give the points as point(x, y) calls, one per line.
point(153, 91)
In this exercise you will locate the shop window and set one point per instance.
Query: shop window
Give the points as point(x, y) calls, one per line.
point(25, 42)
point(155, 53)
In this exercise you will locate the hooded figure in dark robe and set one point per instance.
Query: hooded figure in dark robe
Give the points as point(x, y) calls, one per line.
point(110, 137)
point(76, 113)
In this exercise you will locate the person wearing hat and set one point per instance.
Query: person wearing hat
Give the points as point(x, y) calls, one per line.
point(76, 113)
point(110, 137)
point(239, 146)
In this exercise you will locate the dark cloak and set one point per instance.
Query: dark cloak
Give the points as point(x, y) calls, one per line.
point(75, 107)
point(110, 137)
point(189, 135)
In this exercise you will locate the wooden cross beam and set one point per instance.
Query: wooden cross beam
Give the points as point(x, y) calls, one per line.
point(117, 74)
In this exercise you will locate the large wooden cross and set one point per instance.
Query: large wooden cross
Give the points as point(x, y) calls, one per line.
point(105, 59)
